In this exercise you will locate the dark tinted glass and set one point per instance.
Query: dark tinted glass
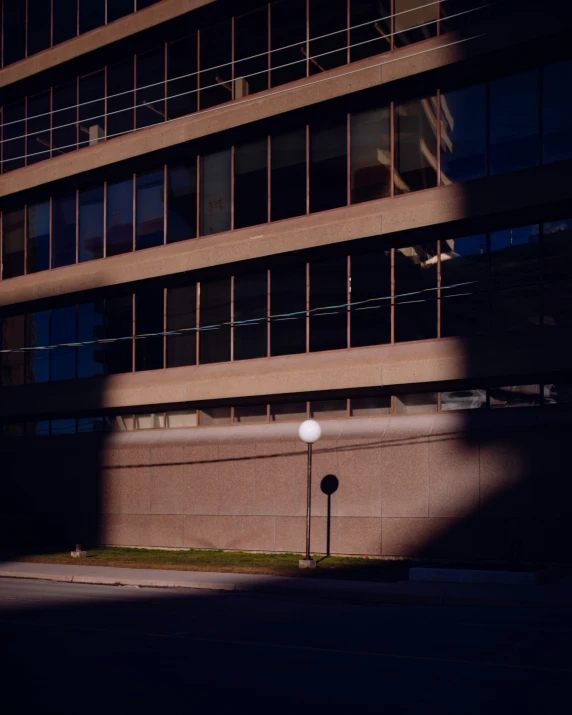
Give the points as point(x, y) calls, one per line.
point(118, 324)
point(415, 20)
point(288, 175)
point(149, 319)
point(463, 135)
point(13, 238)
point(64, 119)
point(91, 15)
point(90, 231)
point(63, 231)
point(39, 25)
point(416, 273)
point(557, 112)
point(119, 8)
point(181, 315)
point(288, 308)
point(182, 202)
point(460, 14)
point(415, 145)
point(370, 155)
point(14, 130)
point(64, 330)
point(328, 167)
point(288, 30)
point(181, 88)
point(14, 31)
point(151, 87)
point(328, 299)
point(119, 217)
point(371, 281)
point(250, 304)
point(214, 341)
point(328, 17)
point(65, 20)
point(150, 209)
point(514, 122)
point(141, 4)
point(372, 28)
point(215, 193)
point(38, 129)
point(557, 274)
point(38, 335)
point(63, 426)
point(38, 243)
point(92, 109)
point(120, 99)
point(91, 358)
point(216, 52)
point(251, 184)
point(251, 40)
point(464, 286)
point(13, 336)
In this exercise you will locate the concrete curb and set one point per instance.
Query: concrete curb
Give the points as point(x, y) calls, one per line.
point(308, 590)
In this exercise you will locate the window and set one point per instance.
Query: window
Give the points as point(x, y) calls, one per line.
point(216, 70)
point(328, 17)
point(416, 403)
point(328, 409)
point(415, 145)
point(288, 31)
point(557, 275)
point(39, 25)
point(63, 231)
point(288, 412)
point(214, 336)
point(556, 112)
point(13, 336)
point(452, 19)
point(328, 167)
point(150, 209)
point(372, 28)
point(251, 184)
point(515, 396)
point(415, 294)
point(14, 32)
point(463, 135)
point(463, 400)
point(328, 299)
point(248, 414)
point(120, 111)
point(14, 130)
point(13, 238)
point(558, 394)
point(215, 193)
point(119, 8)
point(91, 15)
point(64, 426)
point(37, 335)
point(182, 77)
point(289, 175)
point(119, 217)
point(119, 324)
point(64, 330)
point(182, 418)
point(65, 20)
point(370, 406)
point(64, 118)
point(91, 109)
point(250, 304)
point(182, 315)
point(370, 155)
point(38, 429)
point(38, 128)
point(38, 241)
point(371, 299)
point(152, 421)
point(92, 424)
point(514, 122)
point(415, 20)
point(90, 230)
point(288, 310)
point(251, 40)
point(214, 416)
point(149, 319)
point(91, 358)
point(182, 202)
point(150, 87)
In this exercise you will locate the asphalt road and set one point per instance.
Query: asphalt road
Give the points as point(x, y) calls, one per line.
point(72, 648)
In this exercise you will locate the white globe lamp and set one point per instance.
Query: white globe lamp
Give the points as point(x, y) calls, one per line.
point(309, 432)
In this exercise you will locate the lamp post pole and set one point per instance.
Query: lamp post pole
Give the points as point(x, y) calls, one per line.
point(309, 432)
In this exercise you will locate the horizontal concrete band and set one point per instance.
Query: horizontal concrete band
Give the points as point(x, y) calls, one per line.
point(99, 38)
point(385, 217)
point(389, 365)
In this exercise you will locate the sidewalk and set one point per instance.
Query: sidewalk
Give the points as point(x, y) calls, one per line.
point(551, 595)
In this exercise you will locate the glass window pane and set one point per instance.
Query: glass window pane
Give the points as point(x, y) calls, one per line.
point(14, 429)
point(182, 202)
point(464, 286)
point(251, 40)
point(214, 337)
point(451, 18)
point(288, 412)
point(149, 319)
point(119, 217)
point(91, 358)
point(328, 299)
point(150, 209)
point(63, 231)
point(39, 25)
point(119, 8)
point(328, 409)
point(215, 193)
point(370, 281)
point(38, 335)
point(91, 109)
point(14, 146)
point(328, 17)
point(65, 426)
point(514, 396)
point(250, 304)
point(65, 20)
point(14, 32)
point(38, 128)
point(119, 324)
point(38, 429)
point(557, 274)
point(370, 406)
point(288, 175)
point(328, 167)
point(13, 336)
point(120, 99)
point(463, 400)
point(415, 20)
point(288, 310)
point(514, 122)
point(182, 418)
point(90, 231)
point(38, 243)
point(251, 184)
point(371, 21)
point(463, 135)
point(13, 243)
point(247, 414)
point(64, 330)
point(558, 394)
point(214, 416)
point(64, 119)
point(416, 403)
point(141, 4)
point(216, 52)
point(93, 424)
point(152, 421)
point(556, 112)
point(288, 31)
point(416, 273)
point(415, 145)
point(182, 88)
point(182, 314)
point(370, 155)
point(91, 15)
point(151, 87)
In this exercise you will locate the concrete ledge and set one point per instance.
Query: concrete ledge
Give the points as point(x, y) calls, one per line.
point(510, 578)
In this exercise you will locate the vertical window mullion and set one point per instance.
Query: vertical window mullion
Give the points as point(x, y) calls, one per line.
point(232, 318)
point(392, 147)
point(197, 322)
point(348, 301)
point(268, 312)
point(133, 330)
point(77, 226)
point(307, 169)
point(392, 296)
point(232, 149)
point(307, 307)
point(438, 301)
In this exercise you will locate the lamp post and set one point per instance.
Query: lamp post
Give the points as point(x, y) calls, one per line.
point(309, 432)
